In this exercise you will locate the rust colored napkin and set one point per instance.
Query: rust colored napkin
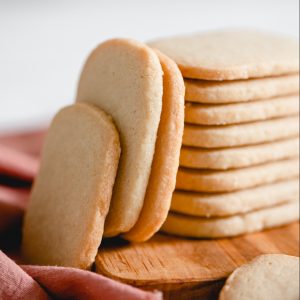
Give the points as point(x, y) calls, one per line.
point(19, 161)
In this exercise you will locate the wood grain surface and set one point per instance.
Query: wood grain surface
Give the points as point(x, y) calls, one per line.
point(187, 268)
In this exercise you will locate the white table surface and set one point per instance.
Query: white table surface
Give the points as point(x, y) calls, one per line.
point(43, 43)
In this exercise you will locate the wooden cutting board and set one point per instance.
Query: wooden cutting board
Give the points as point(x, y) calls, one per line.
point(187, 268)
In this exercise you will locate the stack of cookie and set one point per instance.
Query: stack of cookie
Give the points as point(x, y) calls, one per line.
point(239, 161)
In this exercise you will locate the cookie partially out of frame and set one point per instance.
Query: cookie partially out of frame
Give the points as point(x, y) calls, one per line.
point(269, 276)
point(228, 204)
point(236, 179)
point(238, 157)
point(125, 79)
point(216, 92)
point(238, 113)
point(64, 221)
point(196, 227)
point(240, 134)
point(232, 54)
point(166, 157)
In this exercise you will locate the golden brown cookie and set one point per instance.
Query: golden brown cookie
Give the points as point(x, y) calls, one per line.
point(125, 79)
point(231, 54)
point(217, 92)
point(64, 221)
point(237, 179)
point(268, 276)
point(228, 204)
point(237, 113)
point(195, 227)
point(238, 157)
point(166, 157)
point(240, 134)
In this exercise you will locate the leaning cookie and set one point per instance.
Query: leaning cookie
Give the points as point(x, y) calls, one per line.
point(125, 79)
point(166, 157)
point(64, 221)
point(269, 276)
point(195, 227)
point(231, 54)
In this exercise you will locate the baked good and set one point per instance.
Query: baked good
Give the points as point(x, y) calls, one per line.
point(65, 217)
point(236, 179)
point(166, 157)
point(238, 157)
point(239, 202)
point(125, 79)
point(240, 134)
point(230, 91)
point(231, 54)
point(195, 227)
point(269, 276)
point(237, 113)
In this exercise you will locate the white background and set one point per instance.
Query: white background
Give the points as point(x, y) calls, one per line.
point(43, 43)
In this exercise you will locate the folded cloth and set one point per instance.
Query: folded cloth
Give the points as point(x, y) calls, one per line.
point(16, 283)
point(17, 164)
point(29, 143)
point(12, 205)
point(18, 167)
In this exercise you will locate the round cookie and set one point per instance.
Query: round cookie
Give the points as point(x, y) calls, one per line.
point(233, 180)
point(217, 92)
point(237, 113)
point(125, 79)
point(166, 157)
point(65, 217)
point(269, 276)
point(241, 134)
point(238, 157)
point(228, 204)
point(195, 227)
point(231, 54)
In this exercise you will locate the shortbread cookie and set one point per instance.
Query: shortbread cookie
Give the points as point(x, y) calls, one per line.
point(217, 92)
point(227, 204)
point(65, 218)
point(241, 134)
point(166, 158)
point(125, 79)
point(226, 114)
point(269, 276)
point(238, 157)
point(231, 54)
point(233, 180)
point(196, 227)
